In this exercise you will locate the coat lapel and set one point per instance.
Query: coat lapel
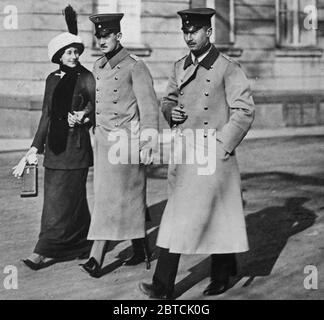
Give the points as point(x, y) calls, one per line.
point(102, 62)
point(210, 59)
point(187, 75)
point(189, 71)
point(115, 60)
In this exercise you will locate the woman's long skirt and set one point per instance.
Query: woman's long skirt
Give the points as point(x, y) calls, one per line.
point(65, 218)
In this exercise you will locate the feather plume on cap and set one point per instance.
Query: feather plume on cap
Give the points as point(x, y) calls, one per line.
point(71, 19)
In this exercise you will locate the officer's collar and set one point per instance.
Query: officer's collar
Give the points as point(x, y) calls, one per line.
point(207, 62)
point(115, 60)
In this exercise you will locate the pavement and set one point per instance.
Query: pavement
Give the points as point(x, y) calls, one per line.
point(282, 182)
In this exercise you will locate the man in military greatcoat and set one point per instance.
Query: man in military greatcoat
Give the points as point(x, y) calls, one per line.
point(209, 95)
point(126, 107)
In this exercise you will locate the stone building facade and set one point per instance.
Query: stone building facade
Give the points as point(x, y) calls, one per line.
point(279, 43)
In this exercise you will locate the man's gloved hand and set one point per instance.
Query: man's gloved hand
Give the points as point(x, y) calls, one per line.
point(178, 116)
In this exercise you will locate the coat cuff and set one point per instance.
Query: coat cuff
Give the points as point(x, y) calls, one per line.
point(230, 136)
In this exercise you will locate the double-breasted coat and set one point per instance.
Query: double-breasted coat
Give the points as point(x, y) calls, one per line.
point(204, 213)
point(126, 106)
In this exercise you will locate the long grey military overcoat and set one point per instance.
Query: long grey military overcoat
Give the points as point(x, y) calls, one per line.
point(126, 106)
point(204, 213)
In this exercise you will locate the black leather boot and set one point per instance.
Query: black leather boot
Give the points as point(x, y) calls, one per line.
point(222, 267)
point(152, 291)
point(141, 253)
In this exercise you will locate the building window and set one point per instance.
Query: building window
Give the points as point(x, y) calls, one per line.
point(296, 23)
point(223, 21)
point(131, 22)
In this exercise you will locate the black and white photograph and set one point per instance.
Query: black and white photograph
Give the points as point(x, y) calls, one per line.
point(162, 151)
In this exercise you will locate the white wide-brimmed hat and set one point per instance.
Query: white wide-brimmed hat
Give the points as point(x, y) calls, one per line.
point(61, 42)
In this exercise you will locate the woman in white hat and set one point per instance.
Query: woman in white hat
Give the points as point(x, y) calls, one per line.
point(63, 133)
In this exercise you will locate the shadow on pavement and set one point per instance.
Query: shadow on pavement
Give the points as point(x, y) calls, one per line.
point(286, 176)
point(268, 232)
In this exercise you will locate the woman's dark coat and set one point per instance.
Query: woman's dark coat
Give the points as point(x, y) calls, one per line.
point(78, 153)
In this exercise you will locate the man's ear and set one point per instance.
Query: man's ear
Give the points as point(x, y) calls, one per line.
point(209, 31)
point(119, 36)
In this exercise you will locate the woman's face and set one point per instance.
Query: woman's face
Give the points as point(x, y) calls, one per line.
point(70, 57)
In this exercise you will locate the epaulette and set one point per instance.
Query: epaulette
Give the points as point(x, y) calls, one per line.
point(230, 59)
point(135, 57)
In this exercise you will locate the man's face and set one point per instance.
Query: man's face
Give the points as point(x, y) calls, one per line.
point(198, 39)
point(109, 42)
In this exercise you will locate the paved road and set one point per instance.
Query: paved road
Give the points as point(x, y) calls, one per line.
point(283, 182)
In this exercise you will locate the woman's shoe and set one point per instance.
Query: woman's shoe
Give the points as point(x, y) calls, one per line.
point(46, 262)
point(92, 267)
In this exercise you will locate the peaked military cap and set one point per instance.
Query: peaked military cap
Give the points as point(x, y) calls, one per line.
point(106, 23)
point(196, 18)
